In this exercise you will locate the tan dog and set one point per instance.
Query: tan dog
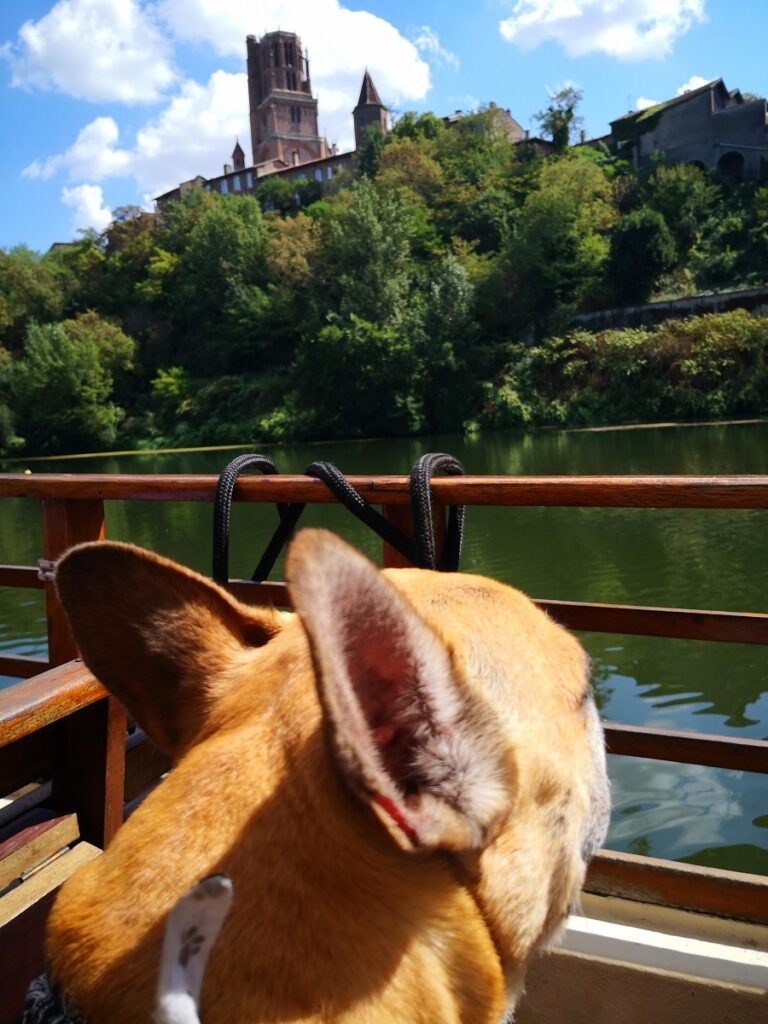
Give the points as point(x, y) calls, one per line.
point(404, 782)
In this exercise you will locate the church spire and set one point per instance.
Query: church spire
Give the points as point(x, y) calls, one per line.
point(368, 93)
point(369, 110)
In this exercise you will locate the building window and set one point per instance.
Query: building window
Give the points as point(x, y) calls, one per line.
point(289, 53)
point(274, 53)
point(290, 80)
point(249, 179)
point(319, 174)
point(224, 188)
point(236, 183)
point(329, 172)
point(295, 115)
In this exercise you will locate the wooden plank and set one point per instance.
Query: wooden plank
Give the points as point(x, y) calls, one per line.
point(20, 576)
point(565, 491)
point(49, 697)
point(686, 886)
point(44, 881)
point(91, 775)
point(65, 523)
point(22, 666)
point(676, 623)
point(687, 747)
point(40, 834)
point(22, 955)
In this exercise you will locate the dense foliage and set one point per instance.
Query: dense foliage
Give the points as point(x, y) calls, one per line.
point(430, 291)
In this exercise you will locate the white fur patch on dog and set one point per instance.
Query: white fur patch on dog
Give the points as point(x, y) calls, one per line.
point(190, 932)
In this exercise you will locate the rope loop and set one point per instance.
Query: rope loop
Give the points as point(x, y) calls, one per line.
point(419, 549)
point(222, 508)
point(421, 510)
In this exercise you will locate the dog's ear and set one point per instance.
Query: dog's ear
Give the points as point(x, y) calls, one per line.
point(155, 634)
point(407, 734)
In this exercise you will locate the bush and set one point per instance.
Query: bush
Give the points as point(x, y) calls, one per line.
point(59, 391)
point(642, 249)
point(703, 367)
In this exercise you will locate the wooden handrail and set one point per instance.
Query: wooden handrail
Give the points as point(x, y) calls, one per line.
point(46, 698)
point(54, 695)
point(568, 491)
point(637, 620)
point(687, 886)
point(714, 751)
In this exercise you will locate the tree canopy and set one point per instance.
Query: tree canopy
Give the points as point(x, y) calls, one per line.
point(430, 290)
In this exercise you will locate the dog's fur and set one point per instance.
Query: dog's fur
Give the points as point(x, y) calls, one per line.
point(404, 782)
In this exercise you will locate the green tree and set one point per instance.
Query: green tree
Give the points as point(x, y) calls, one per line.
point(417, 127)
point(555, 258)
point(116, 350)
point(559, 121)
point(686, 197)
point(369, 154)
point(29, 290)
point(358, 379)
point(642, 249)
point(217, 288)
point(287, 195)
point(364, 264)
point(60, 393)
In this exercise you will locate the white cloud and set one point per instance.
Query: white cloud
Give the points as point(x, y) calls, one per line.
point(627, 29)
point(194, 134)
point(340, 45)
point(694, 82)
point(97, 50)
point(88, 203)
point(92, 155)
point(427, 41)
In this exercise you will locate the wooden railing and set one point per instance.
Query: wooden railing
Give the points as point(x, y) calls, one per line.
point(61, 724)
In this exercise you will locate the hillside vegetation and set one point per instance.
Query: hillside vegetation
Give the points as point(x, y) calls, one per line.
point(429, 292)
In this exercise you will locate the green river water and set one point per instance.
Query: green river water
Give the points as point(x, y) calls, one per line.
point(684, 558)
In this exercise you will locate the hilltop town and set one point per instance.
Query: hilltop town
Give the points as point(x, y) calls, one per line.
point(709, 126)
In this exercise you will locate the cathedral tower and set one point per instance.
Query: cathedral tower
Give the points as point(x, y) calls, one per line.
point(283, 110)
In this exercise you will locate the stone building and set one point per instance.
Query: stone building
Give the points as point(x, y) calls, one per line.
point(708, 126)
point(283, 118)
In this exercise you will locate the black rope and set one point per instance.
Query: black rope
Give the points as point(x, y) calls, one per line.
point(222, 509)
point(419, 550)
point(421, 510)
point(355, 503)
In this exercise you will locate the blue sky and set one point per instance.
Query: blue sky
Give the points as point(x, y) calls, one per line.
point(105, 103)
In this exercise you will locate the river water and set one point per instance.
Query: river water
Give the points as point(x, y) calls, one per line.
point(675, 558)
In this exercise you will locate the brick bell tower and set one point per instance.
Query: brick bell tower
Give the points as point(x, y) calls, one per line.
point(369, 110)
point(283, 110)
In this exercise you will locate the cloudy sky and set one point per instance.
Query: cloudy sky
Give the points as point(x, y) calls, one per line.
point(105, 103)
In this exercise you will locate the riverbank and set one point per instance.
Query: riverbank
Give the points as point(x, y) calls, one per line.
point(138, 452)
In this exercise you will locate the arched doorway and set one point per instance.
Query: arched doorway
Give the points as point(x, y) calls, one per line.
point(731, 166)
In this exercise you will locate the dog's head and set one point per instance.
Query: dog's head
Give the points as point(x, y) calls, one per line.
point(457, 713)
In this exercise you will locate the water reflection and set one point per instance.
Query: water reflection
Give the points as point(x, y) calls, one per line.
point(684, 558)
